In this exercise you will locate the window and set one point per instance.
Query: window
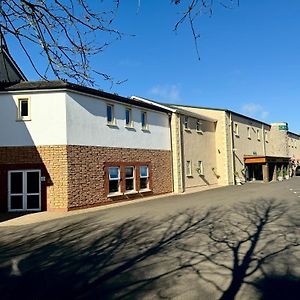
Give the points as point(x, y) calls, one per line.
point(110, 114)
point(114, 179)
point(249, 132)
point(23, 109)
point(200, 168)
point(266, 137)
point(186, 122)
point(144, 120)
point(258, 134)
point(129, 179)
point(144, 177)
point(188, 168)
point(198, 126)
point(236, 129)
point(128, 118)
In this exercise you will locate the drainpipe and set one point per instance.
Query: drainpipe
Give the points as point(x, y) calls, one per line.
point(172, 153)
point(264, 139)
point(232, 147)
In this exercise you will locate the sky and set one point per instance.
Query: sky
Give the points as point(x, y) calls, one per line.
point(249, 58)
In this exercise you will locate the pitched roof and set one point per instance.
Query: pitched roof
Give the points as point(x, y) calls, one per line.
point(9, 70)
point(42, 85)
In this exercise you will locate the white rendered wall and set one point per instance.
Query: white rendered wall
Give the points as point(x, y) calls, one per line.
point(46, 127)
point(87, 125)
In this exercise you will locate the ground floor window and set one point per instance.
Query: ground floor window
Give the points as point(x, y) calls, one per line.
point(114, 179)
point(144, 175)
point(128, 177)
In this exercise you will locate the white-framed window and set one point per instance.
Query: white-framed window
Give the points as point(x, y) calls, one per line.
point(249, 132)
point(144, 120)
point(144, 177)
point(258, 134)
point(129, 179)
point(186, 122)
point(236, 129)
point(110, 114)
point(24, 112)
point(199, 126)
point(128, 117)
point(200, 167)
point(114, 179)
point(188, 168)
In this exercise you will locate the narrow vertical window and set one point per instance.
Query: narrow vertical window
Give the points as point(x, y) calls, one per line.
point(188, 168)
point(144, 120)
point(266, 137)
point(144, 177)
point(198, 126)
point(186, 122)
point(200, 168)
point(23, 109)
point(249, 132)
point(129, 179)
point(258, 134)
point(114, 179)
point(110, 114)
point(236, 129)
point(128, 118)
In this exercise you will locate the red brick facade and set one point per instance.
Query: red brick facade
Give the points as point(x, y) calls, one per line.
point(75, 175)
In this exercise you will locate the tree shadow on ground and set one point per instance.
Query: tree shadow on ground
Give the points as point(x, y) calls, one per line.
point(180, 255)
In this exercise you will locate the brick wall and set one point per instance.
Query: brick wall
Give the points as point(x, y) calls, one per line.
point(53, 162)
point(86, 185)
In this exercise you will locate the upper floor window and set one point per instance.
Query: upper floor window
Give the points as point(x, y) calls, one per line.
point(266, 137)
point(188, 168)
point(186, 122)
point(198, 126)
point(23, 109)
point(258, 134)
point(249, 133)
point(200, 168)
point(128, 117)
point(144, 120)
point(236, 129)
point(110, 114)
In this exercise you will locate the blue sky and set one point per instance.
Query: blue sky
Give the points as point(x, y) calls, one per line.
point(250, 58)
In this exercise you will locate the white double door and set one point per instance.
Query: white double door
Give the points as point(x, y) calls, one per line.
point(24, 190)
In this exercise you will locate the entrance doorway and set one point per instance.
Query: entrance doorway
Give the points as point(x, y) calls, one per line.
point(24, 190)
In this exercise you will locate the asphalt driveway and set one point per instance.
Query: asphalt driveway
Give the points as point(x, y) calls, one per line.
point(236, 241)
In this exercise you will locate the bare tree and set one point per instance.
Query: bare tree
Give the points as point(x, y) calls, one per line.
point(68, 32)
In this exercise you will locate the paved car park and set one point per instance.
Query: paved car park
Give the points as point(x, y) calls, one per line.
point(190, 246)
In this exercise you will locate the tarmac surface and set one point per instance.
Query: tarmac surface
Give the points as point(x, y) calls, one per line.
point(235, 241)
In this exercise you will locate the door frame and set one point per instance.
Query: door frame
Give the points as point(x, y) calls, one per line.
point(24, 194)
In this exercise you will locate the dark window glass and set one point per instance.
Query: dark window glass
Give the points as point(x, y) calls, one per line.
point(144, 119)
point(24, 108)
point(144, 171)
point(129, 178)
point(129, 186)
point(16, 202)
point(16, 183)
point(33, 202)
point(109, 114)
point(113, 172)
point(113, 186)
point(143, 183)
point(33, 182)
point(127, 117)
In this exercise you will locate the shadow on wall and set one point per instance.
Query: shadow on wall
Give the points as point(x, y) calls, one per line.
point(17, 152)
point(212, 254)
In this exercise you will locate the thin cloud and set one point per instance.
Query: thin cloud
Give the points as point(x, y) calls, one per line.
point(168, 93)
point(255, 110)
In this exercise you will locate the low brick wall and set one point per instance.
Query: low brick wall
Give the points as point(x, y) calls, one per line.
point(86, 167)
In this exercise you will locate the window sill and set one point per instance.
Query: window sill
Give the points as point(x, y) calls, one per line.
point(237, 135)
point(117, 194)
point(130, 193)
point(200, 132)
point(129, 127)
point(146, 130)
point(249, 138)
point(188, 130)
point(144, 191)
point(23, 119)
point(189, 176)
point(112, 125)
